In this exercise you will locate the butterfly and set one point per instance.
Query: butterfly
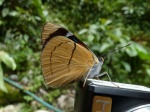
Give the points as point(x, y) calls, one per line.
point(66, 59)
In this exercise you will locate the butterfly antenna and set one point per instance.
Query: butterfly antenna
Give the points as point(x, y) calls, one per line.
point(115, 49)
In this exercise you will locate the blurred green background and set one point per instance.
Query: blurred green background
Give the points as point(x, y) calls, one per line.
point(101, 24)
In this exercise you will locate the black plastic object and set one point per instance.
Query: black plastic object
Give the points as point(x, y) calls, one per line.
point(104, 96)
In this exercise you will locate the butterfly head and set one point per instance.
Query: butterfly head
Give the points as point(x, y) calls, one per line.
point(101, 60)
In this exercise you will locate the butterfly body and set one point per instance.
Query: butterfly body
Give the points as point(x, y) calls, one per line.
point(64, 58)
point(95, 70)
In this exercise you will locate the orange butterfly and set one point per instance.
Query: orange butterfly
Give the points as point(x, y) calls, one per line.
point(64, 58)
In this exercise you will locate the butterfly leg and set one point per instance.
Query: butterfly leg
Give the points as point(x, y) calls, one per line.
point(86, 79)
point(105, 73)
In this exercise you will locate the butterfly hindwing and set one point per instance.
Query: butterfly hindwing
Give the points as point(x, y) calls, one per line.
point(63, 60)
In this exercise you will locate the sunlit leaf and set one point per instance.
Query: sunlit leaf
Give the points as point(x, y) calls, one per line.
point(126, 66)
point(118, 32)
point(104, 46)
point(140, 48)
point(142, 52)
point(82, 31)
point(131, 51)
point(148, 71)
point(96, 47)
point(90, 38)
point(9, 61)
point(5, 12)
point(113, 36)
point(93, 28)
point(13, 13)
point(1, 2)
point(108, 22)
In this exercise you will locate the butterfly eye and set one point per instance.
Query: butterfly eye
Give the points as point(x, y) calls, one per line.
point(101, 59)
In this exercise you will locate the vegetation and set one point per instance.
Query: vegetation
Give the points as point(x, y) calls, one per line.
point(101, 24)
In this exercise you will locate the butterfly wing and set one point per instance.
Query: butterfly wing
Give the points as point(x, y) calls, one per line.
point(63, 60)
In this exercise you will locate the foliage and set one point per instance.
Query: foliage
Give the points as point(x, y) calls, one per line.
point(12, 96)
point(5, 58)
point(26, 108)
point(104, 25)
point(101, 24)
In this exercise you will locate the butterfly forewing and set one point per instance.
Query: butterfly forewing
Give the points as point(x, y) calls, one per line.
point(63, 60)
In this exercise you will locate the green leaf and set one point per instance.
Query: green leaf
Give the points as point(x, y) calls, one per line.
point(2, 86)
point(140, 48)
point(9, 61)
point(82, 31)
point(28, 98)
point(1, 2)
point(118, 32)
point(148, 71)
point(131, 51)
point(90, 38)
point(144, 56)
point(126, 66)
point(13, 13)
point(5, 12)
point(39, 6)
point(107, 22)
point(104, 46)
point(142, 52)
